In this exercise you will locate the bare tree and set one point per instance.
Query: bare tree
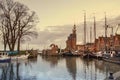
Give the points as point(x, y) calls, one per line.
point(3, 32)
point(18, 22)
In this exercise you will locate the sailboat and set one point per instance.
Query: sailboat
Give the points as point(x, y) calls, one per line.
point(106, 53)
point(86, 53)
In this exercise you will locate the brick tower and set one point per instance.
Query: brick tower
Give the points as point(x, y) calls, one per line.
point(71, 41)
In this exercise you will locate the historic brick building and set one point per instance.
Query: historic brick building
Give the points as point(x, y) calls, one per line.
point(71, 40)
point(100, 43)
point(112, 43)
point(116, 42)
point(52, 51)
point(80, 47)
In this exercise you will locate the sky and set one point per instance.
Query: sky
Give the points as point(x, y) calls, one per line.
point(57, 17)
point(62, 12)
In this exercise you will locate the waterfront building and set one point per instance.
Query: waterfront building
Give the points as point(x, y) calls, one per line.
point(112, 43)
point(80, 47)
point(116, 42)
point(52, 51)
point(90, 46)
point(71, 40)
point(100, 43)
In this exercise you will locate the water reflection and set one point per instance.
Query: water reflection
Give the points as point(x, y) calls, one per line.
point(8, 71)
point(71, 66)
point(88, 69)
point(96, 69)
point(17, 72)
point(4, 71)
point(11, 71)
point(53, 60)
point(106, 67)
point(57, 68)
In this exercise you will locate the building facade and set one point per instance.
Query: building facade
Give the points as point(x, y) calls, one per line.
point(110, 43)
point(71, 40)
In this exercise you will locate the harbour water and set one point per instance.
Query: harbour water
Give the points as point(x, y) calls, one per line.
point(57, 68)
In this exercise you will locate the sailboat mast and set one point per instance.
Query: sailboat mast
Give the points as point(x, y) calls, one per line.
point(94, 27)
point(90, 34)
point(84, 28)
point(105, 31)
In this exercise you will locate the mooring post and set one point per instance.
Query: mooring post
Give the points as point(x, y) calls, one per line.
point(111, 77)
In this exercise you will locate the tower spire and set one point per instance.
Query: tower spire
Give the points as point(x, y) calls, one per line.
point(74, 29)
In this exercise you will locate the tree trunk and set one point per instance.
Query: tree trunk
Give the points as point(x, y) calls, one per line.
point(18, 46)
point(5, 43)
point(9, 47)
point(13, 46)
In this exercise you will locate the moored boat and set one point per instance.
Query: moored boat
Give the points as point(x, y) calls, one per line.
point(88, 55)
point(20, 57)
point(69, 53)
point(98, 55)
point(4, 57)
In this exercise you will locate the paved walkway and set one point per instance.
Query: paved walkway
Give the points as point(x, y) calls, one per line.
point(117, 75)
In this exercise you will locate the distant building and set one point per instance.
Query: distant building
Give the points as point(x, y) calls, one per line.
point(71, 40)
point(100, 43)
point(116, 42)
point(111, 43)
point(90, 46)
point(54, 50)
point(80, 47)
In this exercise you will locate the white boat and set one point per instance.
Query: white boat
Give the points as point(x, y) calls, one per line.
point(20, 57)
point(4, 57)
point(99, 54)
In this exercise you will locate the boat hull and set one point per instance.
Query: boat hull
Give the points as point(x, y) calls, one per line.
point(5, 60)
point(20, 57)
point(90, 55)
point(70, 54)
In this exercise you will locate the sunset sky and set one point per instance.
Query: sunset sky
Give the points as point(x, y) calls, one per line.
point(57, 17)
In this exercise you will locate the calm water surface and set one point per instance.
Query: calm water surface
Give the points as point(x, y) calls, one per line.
point(57, 68)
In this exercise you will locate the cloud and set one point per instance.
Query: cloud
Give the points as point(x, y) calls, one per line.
point(59, 34)
point(52, 34)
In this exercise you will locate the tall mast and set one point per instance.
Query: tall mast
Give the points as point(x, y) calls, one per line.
point(105, 31)
point(90, 34)
point(105, 25)
point(94, 27)
point(84, 28)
